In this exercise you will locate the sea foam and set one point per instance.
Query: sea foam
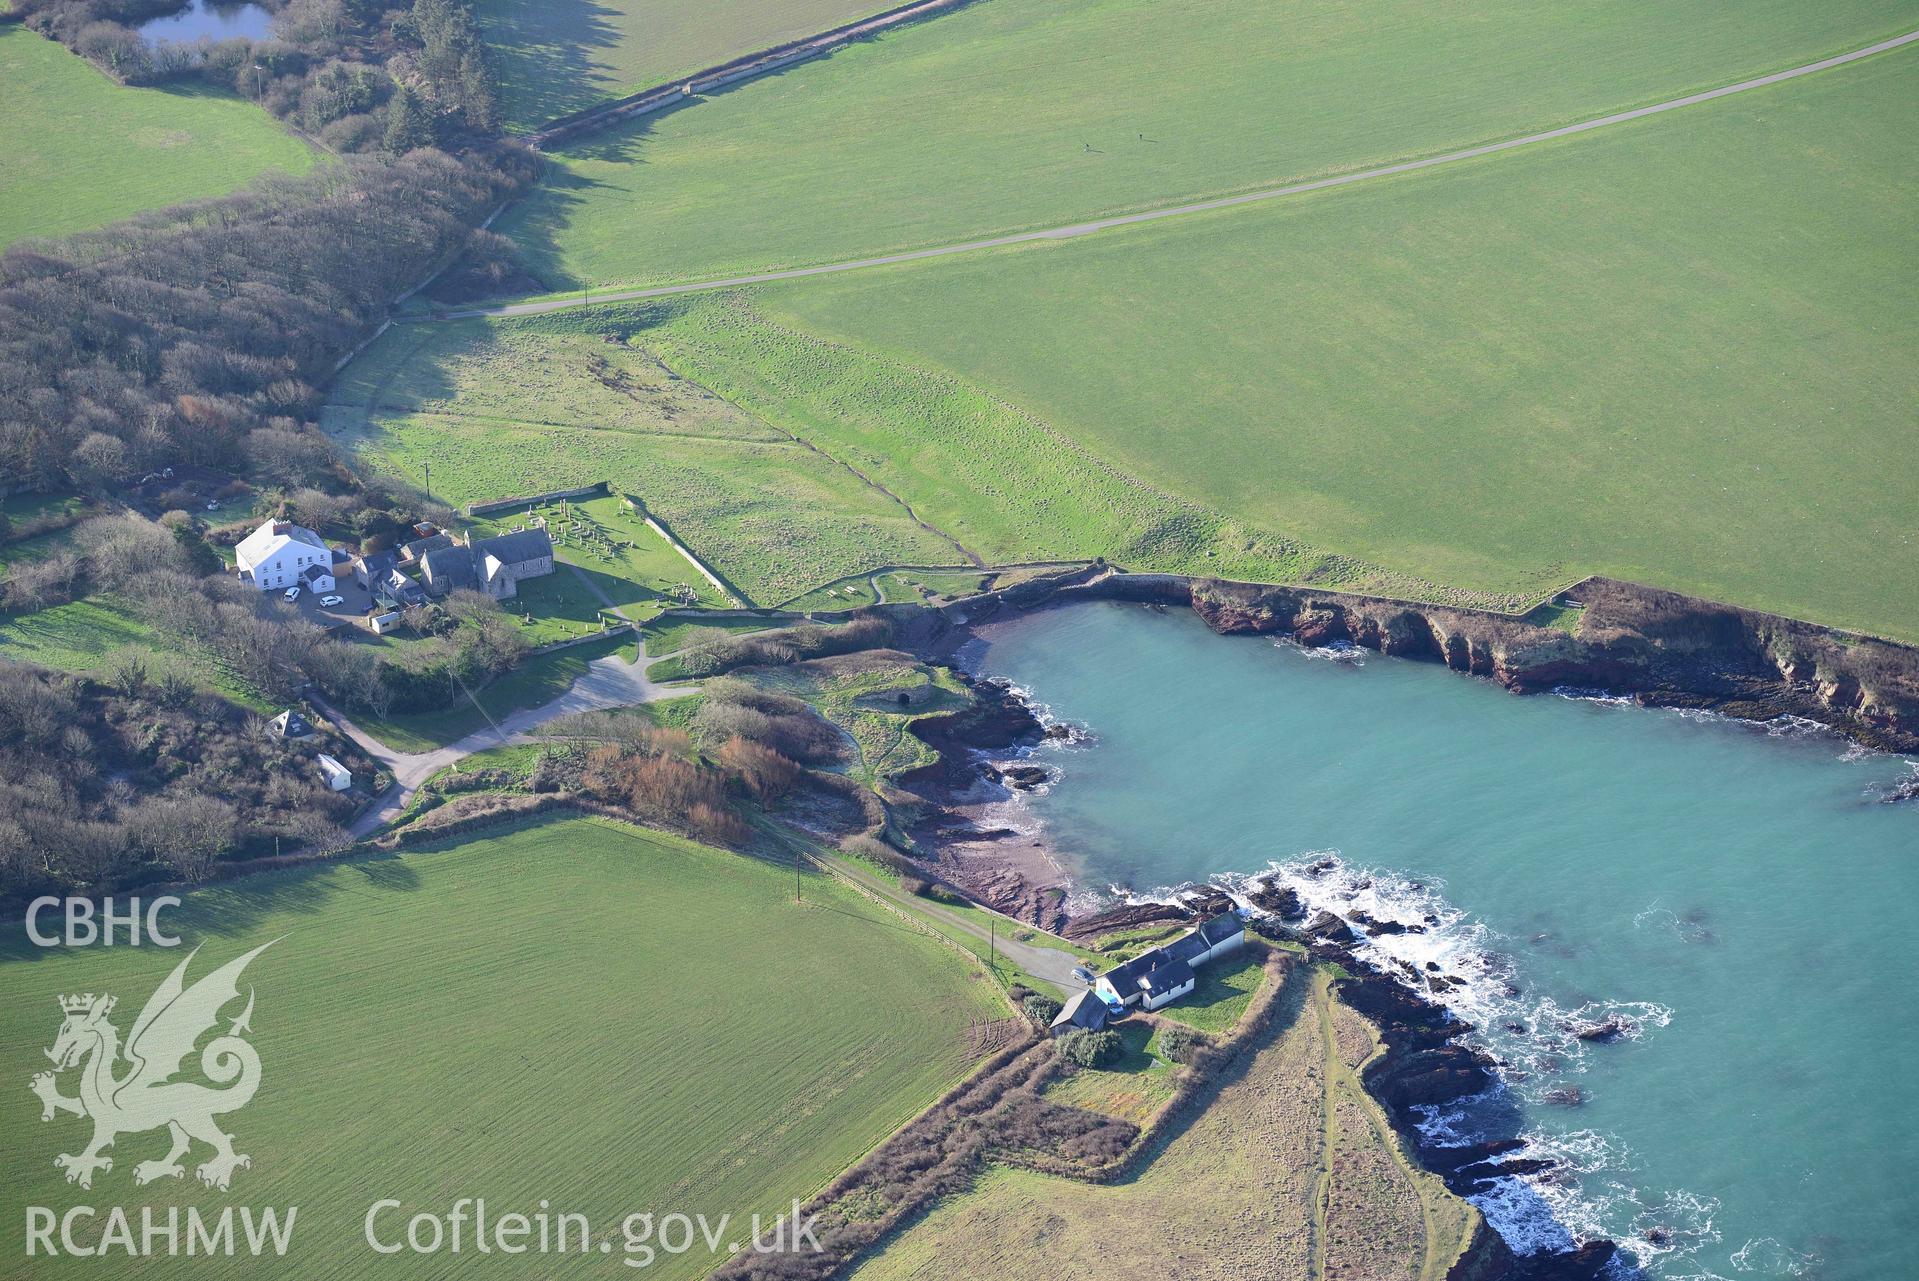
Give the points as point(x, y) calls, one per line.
point(1588, 1191)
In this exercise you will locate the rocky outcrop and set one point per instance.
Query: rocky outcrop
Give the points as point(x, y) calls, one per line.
point(996, 718)
point(1425, 1062)
point(1131, 916)
point(1665, 648)
point(1282, 901)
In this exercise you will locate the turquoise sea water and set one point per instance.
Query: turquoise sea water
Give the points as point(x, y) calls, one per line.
point(1736, 892)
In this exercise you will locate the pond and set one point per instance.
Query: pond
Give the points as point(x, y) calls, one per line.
point(209, 20)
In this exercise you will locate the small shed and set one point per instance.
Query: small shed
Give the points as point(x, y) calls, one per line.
point(1083, 1012)
point(383, 623)
point(338, 777)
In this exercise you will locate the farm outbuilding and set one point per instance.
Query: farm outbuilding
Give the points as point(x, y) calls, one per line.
point(338, 777)
point(1083, 1012)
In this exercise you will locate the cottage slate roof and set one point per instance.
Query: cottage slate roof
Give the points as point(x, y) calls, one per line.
point(512, 549)
point(419, 547)
point(1216, 930)
point(1125, 978)
point(1171, 975)
point(314, 573)
point(290, 724)
point(1187, 947)
point(1082, 1010)
point(378, 565)
point(450, 567)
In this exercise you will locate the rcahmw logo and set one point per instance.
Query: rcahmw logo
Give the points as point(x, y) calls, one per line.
point(131, 1088)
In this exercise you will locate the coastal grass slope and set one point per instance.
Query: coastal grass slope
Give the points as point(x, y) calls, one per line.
point(1676, 352)
point(610, 1019)
point(1291, 1173)
point(83, 151)
point(1018, 114)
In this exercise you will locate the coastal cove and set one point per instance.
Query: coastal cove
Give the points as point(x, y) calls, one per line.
point(1736, 896)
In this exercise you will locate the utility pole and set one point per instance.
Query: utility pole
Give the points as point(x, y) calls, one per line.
point(992, 943)
point(429, 481)
point(796, 875)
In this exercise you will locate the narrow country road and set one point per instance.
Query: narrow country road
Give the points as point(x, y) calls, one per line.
point(1173, 211)
point(607, 682)
point(1048, 963)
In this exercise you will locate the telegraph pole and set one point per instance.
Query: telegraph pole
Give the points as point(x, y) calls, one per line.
point(796, 874)
point(992, 942)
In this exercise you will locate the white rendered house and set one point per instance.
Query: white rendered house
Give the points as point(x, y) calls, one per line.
point(277, 554)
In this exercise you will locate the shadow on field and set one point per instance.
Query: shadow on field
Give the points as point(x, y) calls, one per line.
point(226, 909)
point(551, 208)
point(544, 52)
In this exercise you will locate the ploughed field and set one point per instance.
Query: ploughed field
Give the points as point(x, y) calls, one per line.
point(1016, 114)
point(611, 1019)
point(83, 151)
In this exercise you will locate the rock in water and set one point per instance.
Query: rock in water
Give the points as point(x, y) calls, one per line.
point(1610, 1028)
point(1327, 928)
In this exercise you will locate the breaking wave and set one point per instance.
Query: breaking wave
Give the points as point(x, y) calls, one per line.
point(1339, 651)
point(1587, 1189)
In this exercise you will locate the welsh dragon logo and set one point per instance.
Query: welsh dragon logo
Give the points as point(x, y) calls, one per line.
point(145, 1096)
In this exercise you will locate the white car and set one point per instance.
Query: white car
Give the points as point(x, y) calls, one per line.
point(328, 602)
point(291, 593)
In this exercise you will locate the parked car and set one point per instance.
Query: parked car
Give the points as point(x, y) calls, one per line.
point(330, 601)
point(1083, 974)
point(291, 593)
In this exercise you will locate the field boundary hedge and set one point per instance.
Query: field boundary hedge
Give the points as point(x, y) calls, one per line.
point(745, 67)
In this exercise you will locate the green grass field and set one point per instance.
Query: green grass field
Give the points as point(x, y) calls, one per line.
point(81, 635)
point(555, 58)
point(1018, 114)
point(609, 1019)
point(498, 408)
point(635, 568)
point(83, 151)
point(666, 635)
point(1673, 352)
point(1224, 990)
point(1676, 351)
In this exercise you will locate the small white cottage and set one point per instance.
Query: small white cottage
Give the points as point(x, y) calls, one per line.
point(338, 777)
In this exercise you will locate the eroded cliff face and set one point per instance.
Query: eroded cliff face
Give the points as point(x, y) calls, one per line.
point(1665, 648)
